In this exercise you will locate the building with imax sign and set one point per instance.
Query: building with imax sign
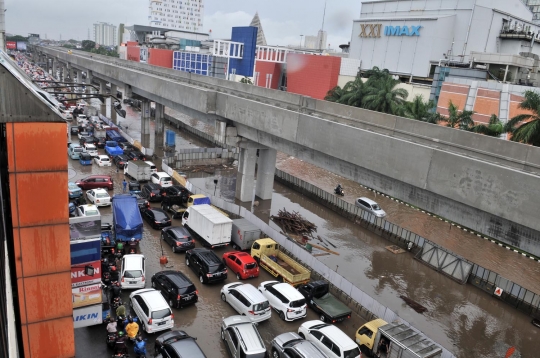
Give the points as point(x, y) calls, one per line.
point(411, 37)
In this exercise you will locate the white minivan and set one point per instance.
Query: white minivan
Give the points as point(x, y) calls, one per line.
point(153, 311)
point(132, 271)
point(162, 179)
point(247, 301)
point(153, 168)
point(284, 299)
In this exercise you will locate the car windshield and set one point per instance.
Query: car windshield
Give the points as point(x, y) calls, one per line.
point(166, 178)
point(251, 265)
point(298, 303)
point(353, 353)
point(77, 150)
point(133, 274)
point(161, 313)
point(92, 212)
point(104, 159)
point(158, 215)
point(261, 306)
point(186, 290)
point(73, 186)
point(102, 195)
point(216, 268)
point(111, 143)
point(376, 207)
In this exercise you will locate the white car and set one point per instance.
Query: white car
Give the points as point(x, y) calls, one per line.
point(162, 179)
point(371, 206)
point(153, 311)
point(91, 149)
point(247, 301)
point(88, 210)
point(329, 339)
point(99, 197)
point(103, 160)
point(284, 299)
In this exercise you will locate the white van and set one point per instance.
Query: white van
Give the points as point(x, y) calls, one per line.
point(284, 299)
point(153, 168)
point(132, 271)
point(247, 301)
point(153, 311)
point(162, 179)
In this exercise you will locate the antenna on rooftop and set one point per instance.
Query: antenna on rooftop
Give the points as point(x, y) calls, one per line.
point(324, 15)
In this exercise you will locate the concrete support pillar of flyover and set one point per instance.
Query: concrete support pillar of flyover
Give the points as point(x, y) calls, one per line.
point(220, 131)
point(266, 169)
point(245, 179)
point(113, 93)
point(79, 76)
point(159, 115)
point(88, 81)
point(145, 123)
point(103, 91)
point(71, 74)
point(54, 67)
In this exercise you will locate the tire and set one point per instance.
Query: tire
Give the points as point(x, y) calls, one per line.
point(301, 335)
point(173, 247)
point(171, 303)
point(275, 354)
point(201, 278)
point(187, 261)
point(238, 276)
point(222, 335)
point(153, 284)
point(235, 247)
point(322, 318)
point(282, 315)
point(223, 297)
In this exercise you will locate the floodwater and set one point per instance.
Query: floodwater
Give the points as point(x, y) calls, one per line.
point(462, 318)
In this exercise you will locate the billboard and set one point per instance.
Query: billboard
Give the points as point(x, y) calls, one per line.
point(86, 295)
point(248, 36)
point(78, 278)
point(85, 251)
point(87, 316)
point(21, 45)
point(11, 45)
point(144, 55)
point(84, 228)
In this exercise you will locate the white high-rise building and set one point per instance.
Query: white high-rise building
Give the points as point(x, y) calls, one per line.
point(186, 15)
point(105, 34)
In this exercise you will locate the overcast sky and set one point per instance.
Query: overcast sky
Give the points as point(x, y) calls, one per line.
point(283, 21)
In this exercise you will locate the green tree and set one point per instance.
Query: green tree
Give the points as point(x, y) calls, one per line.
point(246, 80)
point(334, 94)
point(16, 38)
point(88, 45)
point(382, 96)
point(376, 74)
point(493, 129)
point(525, 128)
point(353, 92)
point(418, 109)
point(456, 119)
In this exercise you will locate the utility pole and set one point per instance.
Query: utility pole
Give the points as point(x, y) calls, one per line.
point(2, 26)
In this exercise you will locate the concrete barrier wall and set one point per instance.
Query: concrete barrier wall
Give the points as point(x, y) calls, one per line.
point(201, 156)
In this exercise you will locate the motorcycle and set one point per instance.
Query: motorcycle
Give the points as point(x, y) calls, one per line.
point(117, 302)
point(132, 247)
point(106, 279)
point(340, 192)
point(111, 339)
point(140, 348)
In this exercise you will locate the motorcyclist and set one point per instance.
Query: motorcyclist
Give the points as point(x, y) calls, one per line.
point(114, 274)
point(120, 345)
point(339, 189)
point(111, 327)
point(121, 311)
point(115, 291)
point(140, 347)
point(132, 329)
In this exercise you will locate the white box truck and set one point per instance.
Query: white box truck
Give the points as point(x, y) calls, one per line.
point(244, 234)
point(138, 170)
point(209, 225)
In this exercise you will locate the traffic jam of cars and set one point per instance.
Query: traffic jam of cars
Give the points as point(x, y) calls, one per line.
point(192, 227)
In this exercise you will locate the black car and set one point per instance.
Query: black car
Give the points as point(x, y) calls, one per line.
point(157, 218)
point(177, 344)
point(178, 237)
point(151, 192)
point(141, 201)
point(176, 288)
point(90, 139)
point(176, 190)
point(120, 160)
point(207, 265)
point(136, 155)
point(126, 147)
point(101, 142)
point(74, 130)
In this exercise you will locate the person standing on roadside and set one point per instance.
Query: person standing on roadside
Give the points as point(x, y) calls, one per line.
point(124, 185)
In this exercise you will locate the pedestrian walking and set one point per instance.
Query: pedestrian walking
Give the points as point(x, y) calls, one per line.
point(124, 185)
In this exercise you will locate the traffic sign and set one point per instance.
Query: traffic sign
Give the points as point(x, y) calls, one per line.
point(509, 352)
point(498, 291)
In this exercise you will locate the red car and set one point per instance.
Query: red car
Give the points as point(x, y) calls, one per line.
point(242, 264)
point(95, 181)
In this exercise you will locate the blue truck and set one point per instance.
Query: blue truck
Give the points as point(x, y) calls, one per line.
point(114, 135)
point(112, 148)
point(127, 220)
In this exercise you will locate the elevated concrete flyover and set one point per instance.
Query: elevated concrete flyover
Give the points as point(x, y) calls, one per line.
point(483, 183)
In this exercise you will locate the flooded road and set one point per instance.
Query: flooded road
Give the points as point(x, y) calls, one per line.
point(462, 318)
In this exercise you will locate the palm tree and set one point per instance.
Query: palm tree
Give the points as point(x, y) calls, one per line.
point(493, 129)
point(381, 96)
point(456, 119)
point(353, 92)
point(420, 110)
point(528, 132)
point(334, 94)
point(376, 73)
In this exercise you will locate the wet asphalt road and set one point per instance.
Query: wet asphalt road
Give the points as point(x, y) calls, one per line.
point(202, 319)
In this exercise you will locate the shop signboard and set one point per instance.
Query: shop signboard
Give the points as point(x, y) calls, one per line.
point(374, 30)
point(86, 295)
point(21, 45)
point(11, 45)
point(85, 251)
point(87, 316)
point(84, 228)
point(78, 278)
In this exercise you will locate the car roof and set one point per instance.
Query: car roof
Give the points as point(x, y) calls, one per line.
point(338, 336)
point(187, 348)
point(179, 230)
point(103, 156)
point(162, 174)
point(153, 298)
point(176, 277)
point(367, 200)
point(100, 190)
point(243, 256)
point(136, 258)
point(152, 186)
point(97, 176)
point(251, 338)
point(209, 256)
point(288, 291)
point(88, 206)
point(251, 292)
